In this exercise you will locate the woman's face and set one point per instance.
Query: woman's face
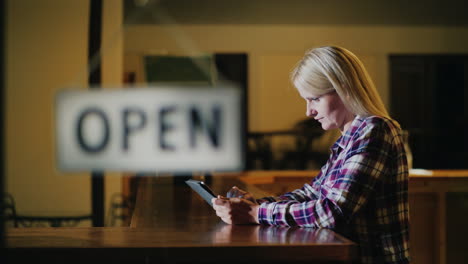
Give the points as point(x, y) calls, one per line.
point(328, 109)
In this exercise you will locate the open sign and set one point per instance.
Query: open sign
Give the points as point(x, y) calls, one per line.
point(158, 129)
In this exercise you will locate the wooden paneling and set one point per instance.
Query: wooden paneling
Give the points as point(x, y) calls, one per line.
point(437, 213)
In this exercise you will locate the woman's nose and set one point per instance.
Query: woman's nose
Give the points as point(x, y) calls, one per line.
point(311, 112)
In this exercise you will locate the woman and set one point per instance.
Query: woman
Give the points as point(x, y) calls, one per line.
point(362, 190)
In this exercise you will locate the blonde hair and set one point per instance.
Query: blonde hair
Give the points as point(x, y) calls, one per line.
point(327, 69)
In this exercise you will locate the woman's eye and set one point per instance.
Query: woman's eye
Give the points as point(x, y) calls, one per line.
point(313, 99)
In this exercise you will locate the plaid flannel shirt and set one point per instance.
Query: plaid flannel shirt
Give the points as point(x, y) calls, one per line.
point(361, 193)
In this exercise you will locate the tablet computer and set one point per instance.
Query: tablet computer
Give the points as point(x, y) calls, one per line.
point(202, 189)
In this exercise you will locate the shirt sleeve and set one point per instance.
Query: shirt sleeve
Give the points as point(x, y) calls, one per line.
point(306, 193)
point(364, 163)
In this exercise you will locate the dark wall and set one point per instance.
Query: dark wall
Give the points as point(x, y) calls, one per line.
point(428, 98)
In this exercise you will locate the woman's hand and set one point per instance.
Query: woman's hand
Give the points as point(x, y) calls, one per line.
point(236, 192)
point(236, 210)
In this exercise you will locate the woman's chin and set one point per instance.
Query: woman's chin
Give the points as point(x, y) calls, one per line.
point(326, 126)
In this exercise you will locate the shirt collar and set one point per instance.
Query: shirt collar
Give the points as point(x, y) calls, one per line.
point(343, 141)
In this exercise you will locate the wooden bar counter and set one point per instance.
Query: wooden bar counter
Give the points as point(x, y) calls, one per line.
point(172, 224)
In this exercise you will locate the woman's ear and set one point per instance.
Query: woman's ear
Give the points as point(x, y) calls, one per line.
point(342, 93)
point(347, 96)
point(345, 92)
